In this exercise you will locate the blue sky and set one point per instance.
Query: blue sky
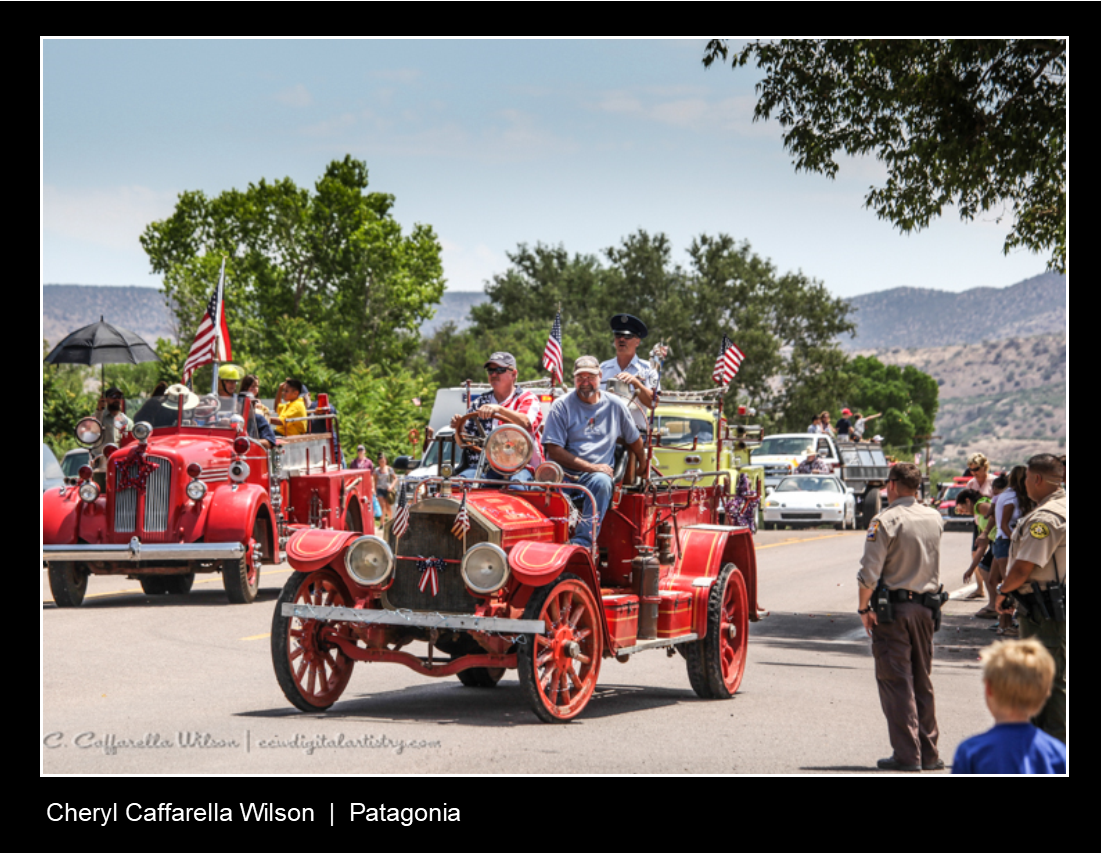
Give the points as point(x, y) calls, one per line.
point(493, 143)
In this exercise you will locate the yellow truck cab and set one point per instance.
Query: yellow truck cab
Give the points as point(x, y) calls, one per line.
point(685, 441)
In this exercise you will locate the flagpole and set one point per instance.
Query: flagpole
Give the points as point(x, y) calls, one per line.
point(218, 327)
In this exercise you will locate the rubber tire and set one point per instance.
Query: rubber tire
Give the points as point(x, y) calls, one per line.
point(179, 585)
point(710, 659)
point(545, 710)
point(305, 586)
point(481, 677)
point(153, 585)
point(870, 507)
point(68, 583)
point(235, 575)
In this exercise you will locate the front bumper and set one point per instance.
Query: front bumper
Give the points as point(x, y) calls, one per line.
point(137, 552)
point(380, 616)
point(803, 516)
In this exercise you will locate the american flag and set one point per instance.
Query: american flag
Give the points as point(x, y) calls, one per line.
point(552, 353)
point(212, 341)
point(462, 520)
point(727, 364)
point(401, 514)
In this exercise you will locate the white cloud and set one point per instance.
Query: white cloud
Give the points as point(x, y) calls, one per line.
point(296, 96)
point(112, 217)
point(466, 268)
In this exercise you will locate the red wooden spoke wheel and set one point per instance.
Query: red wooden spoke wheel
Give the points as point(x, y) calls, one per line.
point(558, 671)
point(717, 661)
point(310, 668)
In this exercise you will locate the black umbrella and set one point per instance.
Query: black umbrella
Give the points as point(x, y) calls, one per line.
point(102, 344)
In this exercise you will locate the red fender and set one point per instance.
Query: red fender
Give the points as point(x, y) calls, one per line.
point(704, 551)
point(537, 564)
point(230, 514)
point(60, 516)
point(312, 548)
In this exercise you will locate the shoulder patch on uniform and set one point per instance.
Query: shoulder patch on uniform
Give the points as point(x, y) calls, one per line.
point(873, 529)
point(1039, 530)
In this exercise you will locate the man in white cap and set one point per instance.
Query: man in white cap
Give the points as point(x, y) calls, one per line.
point(504, 403)
point(581, 434)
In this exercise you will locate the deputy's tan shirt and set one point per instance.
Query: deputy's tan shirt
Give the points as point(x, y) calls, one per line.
point(903, 544)
point(1041, 539)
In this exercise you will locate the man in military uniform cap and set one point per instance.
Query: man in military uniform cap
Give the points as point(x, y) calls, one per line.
point(628, 332)
point(1037, 573)
point(901, 565)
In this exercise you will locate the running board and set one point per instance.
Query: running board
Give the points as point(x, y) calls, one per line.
point(657, 643)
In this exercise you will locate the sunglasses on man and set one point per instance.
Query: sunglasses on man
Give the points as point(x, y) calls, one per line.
point(496, 372)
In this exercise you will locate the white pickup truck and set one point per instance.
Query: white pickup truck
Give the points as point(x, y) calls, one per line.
point(861, 465)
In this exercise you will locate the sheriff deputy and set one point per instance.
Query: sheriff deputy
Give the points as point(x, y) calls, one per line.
point(1037, 579)
point(899, 600)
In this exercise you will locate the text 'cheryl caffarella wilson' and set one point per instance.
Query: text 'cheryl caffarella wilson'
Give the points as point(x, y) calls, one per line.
point(252, 812)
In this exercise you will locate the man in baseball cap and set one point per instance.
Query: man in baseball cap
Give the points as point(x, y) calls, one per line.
point(503, 403)
point(581, 434)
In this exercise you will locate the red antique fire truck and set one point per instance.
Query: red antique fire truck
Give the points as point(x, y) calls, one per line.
point(510, 591)
point(192, 489)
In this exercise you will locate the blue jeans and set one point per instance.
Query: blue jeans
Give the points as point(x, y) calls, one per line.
point(600, 485)
point(522, 476)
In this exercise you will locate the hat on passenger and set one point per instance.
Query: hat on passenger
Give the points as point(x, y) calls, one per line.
point(501, 359)
point(231, 372)
point(173, 394)
point(625, 324)
point(587, 365)
point(846, 412)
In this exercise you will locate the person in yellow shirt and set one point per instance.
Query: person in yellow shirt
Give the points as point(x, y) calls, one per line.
point(289, 404)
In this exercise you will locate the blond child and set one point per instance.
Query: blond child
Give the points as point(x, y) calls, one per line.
point(1017, 679)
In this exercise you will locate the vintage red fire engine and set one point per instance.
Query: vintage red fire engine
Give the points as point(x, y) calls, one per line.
point(510, 591)
point(192, 489)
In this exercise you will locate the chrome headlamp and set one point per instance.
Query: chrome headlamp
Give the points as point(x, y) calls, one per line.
point(88, 431)
point(369, 560)
point(549, 472)
point(239, 471)
point(485, 568)
point(509, 448)
point(196, 490)
point(88, 491)
point(142, 430)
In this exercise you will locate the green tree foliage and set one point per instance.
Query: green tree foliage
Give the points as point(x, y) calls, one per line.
point(976, 123)
point(786, 324)
point(64, 403)
point(379, 407)
point(334, 260)
point(907, 397)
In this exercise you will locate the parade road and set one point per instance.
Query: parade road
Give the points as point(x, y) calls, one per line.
point(133, 684)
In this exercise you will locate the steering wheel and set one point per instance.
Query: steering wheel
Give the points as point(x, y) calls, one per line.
point(470, 443)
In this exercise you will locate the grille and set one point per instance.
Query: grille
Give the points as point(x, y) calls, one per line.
point(158, 498)
point(430, 535)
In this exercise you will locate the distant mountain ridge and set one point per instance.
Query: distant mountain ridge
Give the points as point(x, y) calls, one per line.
point(923, 317)
point(899, 317)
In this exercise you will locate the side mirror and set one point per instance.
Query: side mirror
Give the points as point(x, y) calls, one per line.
point(403, 464)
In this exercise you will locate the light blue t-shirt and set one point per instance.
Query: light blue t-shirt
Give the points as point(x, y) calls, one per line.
point(589, 432)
